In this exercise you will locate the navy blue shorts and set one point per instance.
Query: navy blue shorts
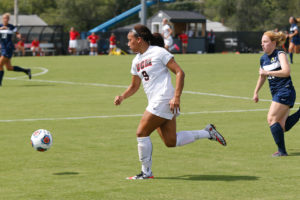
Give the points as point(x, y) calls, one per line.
point(7, 51)
point(286, 96)
point(296, 40)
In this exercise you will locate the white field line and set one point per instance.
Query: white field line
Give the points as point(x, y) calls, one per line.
point(123, 86)
point(125, 116)
point(43, 71)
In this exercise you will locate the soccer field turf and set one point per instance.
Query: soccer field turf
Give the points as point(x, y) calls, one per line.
point(95, 146)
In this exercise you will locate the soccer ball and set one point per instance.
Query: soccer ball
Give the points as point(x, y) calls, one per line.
point(41, 140)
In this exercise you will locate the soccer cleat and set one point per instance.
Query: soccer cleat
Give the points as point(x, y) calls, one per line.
point(214, 134)
point(142, 175)
point(28, 72)
point(279, 154)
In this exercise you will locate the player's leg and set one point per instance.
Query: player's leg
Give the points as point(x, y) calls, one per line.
point(34, 51)
point(1, 69)
point(23, 51)
point(291, 50)
point(9, 67)
point(167, 132)
point(277, 116)
point(292, 120)
point(95, 50)
point(148, 124)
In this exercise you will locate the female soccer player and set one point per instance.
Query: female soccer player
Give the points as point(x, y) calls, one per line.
point(74, 35)
point(294, 37)
point(35, 47)
point(167, 34)
point(7, 47)
point(275, 66)
point(112, 42)
point(93, 39)
point(151, 67)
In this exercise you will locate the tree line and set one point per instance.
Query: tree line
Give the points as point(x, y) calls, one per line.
point(240, 15)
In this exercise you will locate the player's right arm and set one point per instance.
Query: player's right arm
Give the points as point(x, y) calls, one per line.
point(260, 82)
point(133, 87)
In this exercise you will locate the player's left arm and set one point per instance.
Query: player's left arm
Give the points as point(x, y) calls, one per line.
point(175, 101)
point(285, 68)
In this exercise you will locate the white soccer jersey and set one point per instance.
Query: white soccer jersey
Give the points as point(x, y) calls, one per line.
point(165, 30)
point(151, 68)
point(168, 41)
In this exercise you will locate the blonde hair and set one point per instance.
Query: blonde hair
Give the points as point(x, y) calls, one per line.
point(6, 14)
point(278, 37)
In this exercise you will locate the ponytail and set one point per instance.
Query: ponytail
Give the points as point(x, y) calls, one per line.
point(279, 37)
point(152, 39)
point(157, 40)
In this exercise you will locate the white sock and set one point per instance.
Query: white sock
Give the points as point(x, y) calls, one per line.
point(186, 137)
point(145, 153)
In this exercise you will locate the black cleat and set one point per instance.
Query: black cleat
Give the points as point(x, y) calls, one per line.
point(29, 73)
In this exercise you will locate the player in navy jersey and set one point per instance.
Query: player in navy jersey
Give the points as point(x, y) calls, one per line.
point(274, 66)
point(7, 47)
point(294, 37)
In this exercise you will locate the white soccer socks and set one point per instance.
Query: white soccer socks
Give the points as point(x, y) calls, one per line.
point(186, 137)
point(183, 138)
point(145, 154)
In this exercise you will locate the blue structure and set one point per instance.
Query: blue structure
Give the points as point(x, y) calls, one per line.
point(103, 27)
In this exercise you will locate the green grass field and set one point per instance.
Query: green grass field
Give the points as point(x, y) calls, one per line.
point(95, 146)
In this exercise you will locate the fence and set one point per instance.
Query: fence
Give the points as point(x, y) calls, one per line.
point(244, 42)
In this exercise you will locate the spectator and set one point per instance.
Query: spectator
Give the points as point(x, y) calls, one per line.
point(20, 47)
point(211, 41)
point(190, 32)
point(184, 41)
point(112, 42)
point(35, 47)
point(93, 38)
point(73, 41)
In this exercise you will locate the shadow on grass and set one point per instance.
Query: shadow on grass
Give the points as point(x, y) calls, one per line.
point(294, 154)
point(65, 173)
point(211, 178)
